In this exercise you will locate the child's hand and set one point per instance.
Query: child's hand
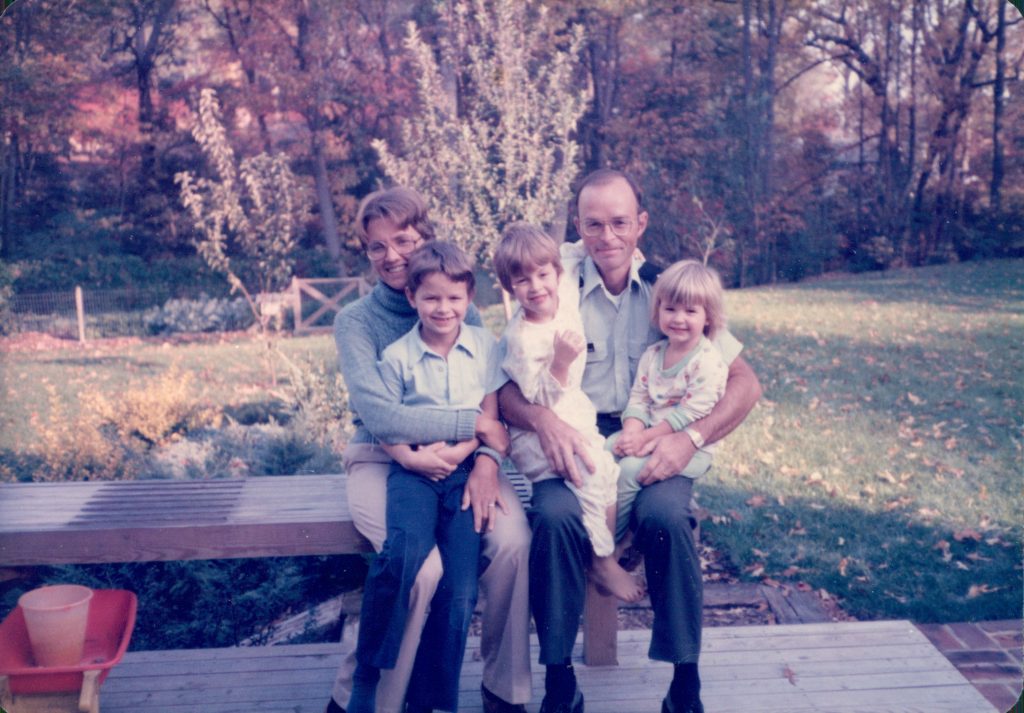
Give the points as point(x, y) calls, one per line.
point(492, 432)
point(428, 461)
point(632, 439)
point(568, 345)
point(459, 452)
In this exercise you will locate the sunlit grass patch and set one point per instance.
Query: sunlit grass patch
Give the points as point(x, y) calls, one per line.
point(884, 462)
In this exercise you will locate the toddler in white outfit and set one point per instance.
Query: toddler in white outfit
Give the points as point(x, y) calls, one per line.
point(544, 353)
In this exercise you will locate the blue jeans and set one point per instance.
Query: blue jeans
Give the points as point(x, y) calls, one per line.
point(421, 513)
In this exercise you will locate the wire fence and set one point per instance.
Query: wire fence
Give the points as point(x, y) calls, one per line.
point(102, 313)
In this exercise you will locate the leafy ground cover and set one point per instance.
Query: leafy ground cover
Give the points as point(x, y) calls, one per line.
point(883, 464)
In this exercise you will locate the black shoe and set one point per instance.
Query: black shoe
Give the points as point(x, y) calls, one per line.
point(333, 707)
point(575, 707)
point(493, 704)
point(695, 707)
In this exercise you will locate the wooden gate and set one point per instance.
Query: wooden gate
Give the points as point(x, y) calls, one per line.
point(329, 293)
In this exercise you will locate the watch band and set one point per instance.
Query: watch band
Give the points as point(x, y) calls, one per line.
point(694, 434)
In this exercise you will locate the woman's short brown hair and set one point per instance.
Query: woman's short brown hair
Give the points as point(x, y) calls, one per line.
point(404, 206)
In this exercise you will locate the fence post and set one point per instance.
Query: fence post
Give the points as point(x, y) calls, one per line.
point(80, 309)
point(296, 305)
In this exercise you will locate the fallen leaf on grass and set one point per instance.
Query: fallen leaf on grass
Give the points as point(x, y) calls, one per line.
point(843, 564)
point(967, 534)
point(914, 399)
point(756, 501)
point(898, 503)
point(976, 590)
point(755, 570)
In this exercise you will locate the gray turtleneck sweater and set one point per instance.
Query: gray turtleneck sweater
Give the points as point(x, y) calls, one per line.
point(361, 332)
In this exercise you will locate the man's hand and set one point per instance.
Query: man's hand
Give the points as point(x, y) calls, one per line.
point(483, 494)
point(669, 455)
point(562, 444)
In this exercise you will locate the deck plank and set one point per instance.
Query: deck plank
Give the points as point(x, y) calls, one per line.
point(850, 667)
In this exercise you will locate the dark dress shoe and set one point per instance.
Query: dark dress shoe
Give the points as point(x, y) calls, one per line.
point(493, 704)
point(333, 707)
point(576, 706)
point(695, 707)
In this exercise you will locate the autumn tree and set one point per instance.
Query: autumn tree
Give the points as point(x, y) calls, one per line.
point(492, 142)
point(44, 50)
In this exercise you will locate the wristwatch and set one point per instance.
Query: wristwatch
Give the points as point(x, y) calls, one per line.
point(694, 434)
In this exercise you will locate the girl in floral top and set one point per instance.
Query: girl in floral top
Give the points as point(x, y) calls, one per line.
point(678, 379)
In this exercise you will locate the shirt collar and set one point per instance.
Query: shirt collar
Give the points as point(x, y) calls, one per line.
point(420, 349)
point(591, 278)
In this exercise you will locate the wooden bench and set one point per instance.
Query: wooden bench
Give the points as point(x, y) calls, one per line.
point(165, 520)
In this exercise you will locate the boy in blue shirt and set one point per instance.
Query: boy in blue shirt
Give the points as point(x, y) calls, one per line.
point(441, 362)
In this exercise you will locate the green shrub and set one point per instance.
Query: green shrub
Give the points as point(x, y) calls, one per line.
point(205, 314)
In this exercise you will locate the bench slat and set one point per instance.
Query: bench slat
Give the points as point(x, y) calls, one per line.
point(137, 521)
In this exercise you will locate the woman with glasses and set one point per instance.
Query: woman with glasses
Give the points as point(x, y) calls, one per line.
point(391, 224)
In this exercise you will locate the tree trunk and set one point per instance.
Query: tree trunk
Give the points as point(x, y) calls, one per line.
point(328, 218)
point(8, 184)
point(995, 186)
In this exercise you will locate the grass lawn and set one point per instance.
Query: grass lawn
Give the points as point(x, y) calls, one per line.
point(883, 464)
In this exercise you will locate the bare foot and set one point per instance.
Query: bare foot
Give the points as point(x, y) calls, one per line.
point(608, 575)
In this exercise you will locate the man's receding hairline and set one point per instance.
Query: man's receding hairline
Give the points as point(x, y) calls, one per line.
point(607, 181)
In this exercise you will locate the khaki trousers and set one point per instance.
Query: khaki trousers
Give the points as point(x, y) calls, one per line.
point(504, 591)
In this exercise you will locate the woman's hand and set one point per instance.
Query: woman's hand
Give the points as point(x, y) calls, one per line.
point(483, 494)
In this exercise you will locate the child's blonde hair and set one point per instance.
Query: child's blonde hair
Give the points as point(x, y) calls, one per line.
point(689, 282)
point(523, 246)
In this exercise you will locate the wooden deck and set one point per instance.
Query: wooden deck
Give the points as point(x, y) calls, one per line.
point(862, 667)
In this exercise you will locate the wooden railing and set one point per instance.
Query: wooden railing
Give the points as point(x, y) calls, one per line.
point(328, 292)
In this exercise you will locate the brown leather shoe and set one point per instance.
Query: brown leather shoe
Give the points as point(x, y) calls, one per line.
point(493, 704)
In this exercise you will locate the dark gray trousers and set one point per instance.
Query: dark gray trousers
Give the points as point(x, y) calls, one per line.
point(560, 553)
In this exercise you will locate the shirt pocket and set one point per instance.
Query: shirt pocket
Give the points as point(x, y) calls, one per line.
point(636, 350)
point(596, 353)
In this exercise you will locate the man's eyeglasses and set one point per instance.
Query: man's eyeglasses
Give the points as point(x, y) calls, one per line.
point(620, 227)
point(401, 245)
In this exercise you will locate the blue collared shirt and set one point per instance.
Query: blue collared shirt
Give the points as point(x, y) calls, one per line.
point(415, 375)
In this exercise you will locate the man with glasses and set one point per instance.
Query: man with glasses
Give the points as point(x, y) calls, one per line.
point(615, 297)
